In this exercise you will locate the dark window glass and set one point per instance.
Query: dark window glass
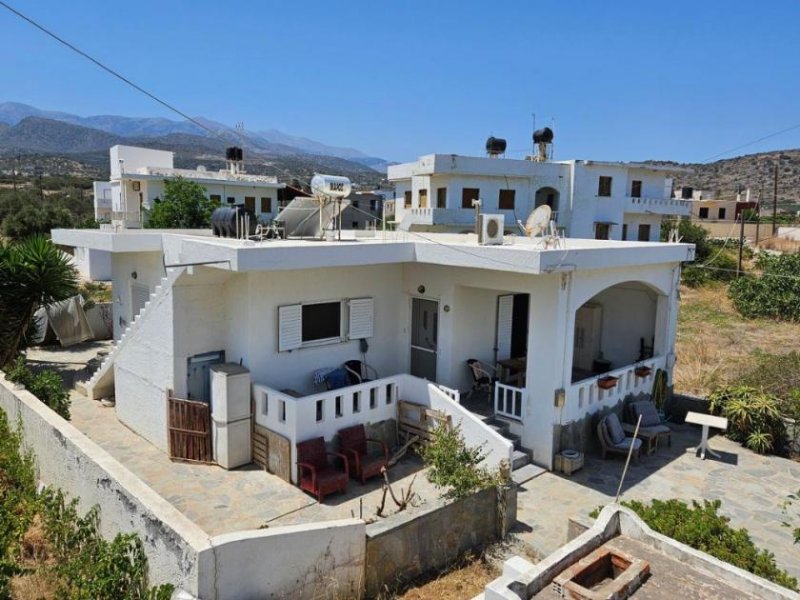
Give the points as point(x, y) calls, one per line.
point(468, 195)
point(321, 321)
point(604, 186)
point(506, 199)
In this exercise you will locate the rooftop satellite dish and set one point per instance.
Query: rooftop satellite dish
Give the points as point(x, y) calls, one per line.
point(539, 221)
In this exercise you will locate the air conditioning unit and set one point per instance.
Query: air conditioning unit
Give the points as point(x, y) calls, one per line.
point(490, 230)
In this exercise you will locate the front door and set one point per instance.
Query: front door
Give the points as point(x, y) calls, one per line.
point(424, 337)
point(198, 377)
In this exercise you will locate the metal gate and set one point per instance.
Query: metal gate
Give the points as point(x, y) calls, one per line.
point(189, 430)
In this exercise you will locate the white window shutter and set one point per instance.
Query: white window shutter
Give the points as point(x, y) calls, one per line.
point(361, 318)
point(290, 327)
point(505, 314)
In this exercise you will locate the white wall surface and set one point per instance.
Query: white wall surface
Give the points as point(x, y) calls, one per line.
point(144, 371)
point(136, 158)
point(321, 560)
point(67, 459)
point(94, 265)
point(149, 270)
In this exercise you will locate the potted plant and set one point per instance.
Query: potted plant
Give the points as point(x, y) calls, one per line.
point(607, 382)
point(642, 370)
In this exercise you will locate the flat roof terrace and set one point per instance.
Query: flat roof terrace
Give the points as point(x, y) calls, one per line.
point(517, 254)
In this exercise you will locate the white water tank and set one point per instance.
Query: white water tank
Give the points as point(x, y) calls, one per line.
point(332, 186)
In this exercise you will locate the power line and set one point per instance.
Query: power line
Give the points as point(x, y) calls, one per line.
point(761, 139)
point(109, 70)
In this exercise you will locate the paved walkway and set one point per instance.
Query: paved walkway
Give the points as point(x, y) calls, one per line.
point(751, 487)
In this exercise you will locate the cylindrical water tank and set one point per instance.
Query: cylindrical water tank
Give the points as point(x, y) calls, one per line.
point(223, 221)
point(495, 146)
point(543, 136)
point(333, 186)
point(233, 153)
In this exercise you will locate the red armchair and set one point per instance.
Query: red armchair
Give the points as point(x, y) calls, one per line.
point(353, 442)
point(315, 473)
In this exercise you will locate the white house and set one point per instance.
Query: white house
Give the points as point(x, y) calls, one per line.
point(414, 308)
point(590, 199)
point(137, 180)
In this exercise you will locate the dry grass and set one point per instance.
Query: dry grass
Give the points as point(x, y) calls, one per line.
point(467, 581)
point(714, 343)
point(780, 245)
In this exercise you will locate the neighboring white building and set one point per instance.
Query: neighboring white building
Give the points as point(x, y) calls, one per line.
point(590, 199)
point(137, 180)
point(415, 309)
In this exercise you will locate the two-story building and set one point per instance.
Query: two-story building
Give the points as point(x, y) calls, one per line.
point(589, 199)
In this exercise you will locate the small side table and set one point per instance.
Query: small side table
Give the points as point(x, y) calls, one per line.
point(567, 462)
point(706, 421)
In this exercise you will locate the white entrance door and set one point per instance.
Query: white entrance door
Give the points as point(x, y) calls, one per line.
point(424, 337)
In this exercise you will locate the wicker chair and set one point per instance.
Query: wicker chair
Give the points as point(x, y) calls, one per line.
point(316, 474)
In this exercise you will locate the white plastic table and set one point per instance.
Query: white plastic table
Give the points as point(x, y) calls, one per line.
point(706, 421)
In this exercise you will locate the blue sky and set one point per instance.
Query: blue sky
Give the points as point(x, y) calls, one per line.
point(619, 80)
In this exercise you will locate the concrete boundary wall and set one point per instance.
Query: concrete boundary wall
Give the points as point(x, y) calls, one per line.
point(332, 559)
point(319, 560)
point(67, 459)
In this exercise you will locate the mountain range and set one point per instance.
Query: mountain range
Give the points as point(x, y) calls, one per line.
point(26, 130)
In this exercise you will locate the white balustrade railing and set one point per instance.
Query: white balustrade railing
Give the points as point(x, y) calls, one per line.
point(509, 401)
point(587, 395)
point(324, 414)
point(664, 205)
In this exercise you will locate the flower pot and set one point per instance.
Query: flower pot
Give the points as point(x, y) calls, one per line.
point(606, 383)
point(642, 371)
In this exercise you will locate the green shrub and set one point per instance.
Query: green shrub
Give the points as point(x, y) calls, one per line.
point(774, 295)
point(714, 259)
point(703, 528)
point(777, 374)
point(17, 499)
point(453, 465)
point(45, 385)
point(754, 417)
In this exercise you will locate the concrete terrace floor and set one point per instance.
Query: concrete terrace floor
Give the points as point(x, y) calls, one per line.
point(751, 487)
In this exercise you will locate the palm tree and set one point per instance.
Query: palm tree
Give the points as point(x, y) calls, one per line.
point(33, 273)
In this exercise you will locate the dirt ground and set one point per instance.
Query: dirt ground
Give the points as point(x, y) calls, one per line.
point(714, 343)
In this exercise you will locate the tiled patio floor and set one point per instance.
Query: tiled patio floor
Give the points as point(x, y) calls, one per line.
point(220, 501)
point(751, 488)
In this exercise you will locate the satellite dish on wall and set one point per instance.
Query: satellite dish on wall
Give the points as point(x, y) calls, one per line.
point(538, 221)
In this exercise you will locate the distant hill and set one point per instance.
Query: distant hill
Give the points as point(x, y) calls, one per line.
point(270, 140)
point(63, 148)
point(722, 177)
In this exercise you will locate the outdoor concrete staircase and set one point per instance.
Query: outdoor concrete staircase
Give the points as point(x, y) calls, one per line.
point(522, 469)
point(101, 382)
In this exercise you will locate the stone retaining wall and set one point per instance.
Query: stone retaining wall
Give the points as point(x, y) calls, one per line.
point(404, 546)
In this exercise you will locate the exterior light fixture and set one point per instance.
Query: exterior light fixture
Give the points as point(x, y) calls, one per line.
point(421, 289)
point(134, 275)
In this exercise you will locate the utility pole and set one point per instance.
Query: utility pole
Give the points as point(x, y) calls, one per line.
point(741, 244)
point(775, 201)
point(758, 209)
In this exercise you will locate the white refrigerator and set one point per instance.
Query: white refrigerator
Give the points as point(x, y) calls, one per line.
point(231, 415)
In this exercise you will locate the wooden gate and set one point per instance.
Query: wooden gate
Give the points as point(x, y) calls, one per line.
point(189, 430)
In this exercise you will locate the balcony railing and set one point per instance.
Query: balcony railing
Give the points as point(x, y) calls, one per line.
point(670, 206)
point(587, 395)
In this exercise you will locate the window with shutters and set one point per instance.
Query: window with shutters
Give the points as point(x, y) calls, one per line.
point(468, 195)
point(266, 205)
point(423, 198)
point(318, 323)
point(604, 186)
point(506, 199)
point(407, 199)
point(644, 233)
point(250, 203)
